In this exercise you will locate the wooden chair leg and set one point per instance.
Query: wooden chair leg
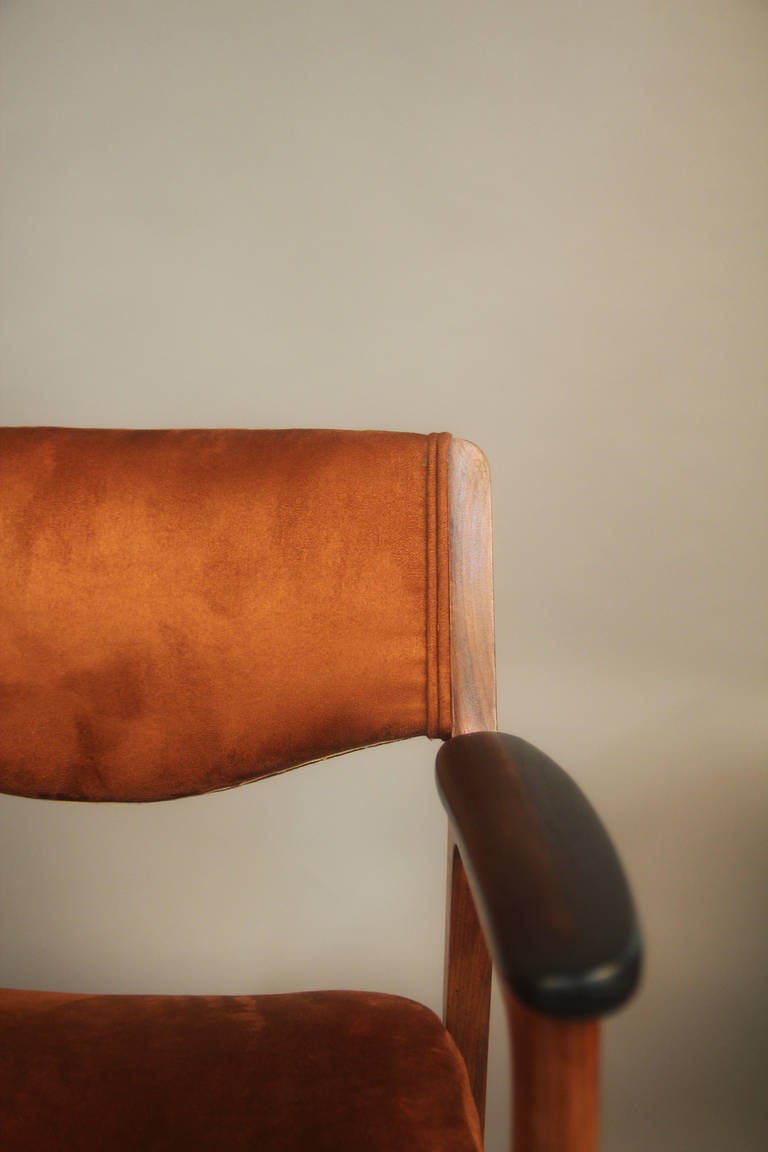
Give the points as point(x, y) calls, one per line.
point(467, 1005)
point(555, 1082)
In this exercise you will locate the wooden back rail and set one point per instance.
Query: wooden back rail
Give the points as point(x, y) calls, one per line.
point(555, 1062)
point(467, 987)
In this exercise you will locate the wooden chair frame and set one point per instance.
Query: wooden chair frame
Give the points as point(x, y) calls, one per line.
point(467, 988)
point(555, 1056)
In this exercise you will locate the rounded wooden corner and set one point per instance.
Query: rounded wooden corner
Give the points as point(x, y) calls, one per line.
point(466, 454)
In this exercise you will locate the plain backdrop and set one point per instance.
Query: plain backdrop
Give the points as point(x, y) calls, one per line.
point(543, 227)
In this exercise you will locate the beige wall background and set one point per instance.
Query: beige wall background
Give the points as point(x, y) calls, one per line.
point(544, 228)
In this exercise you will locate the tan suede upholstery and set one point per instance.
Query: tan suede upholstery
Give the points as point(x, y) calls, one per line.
point(317, 1072)
point(182, 611)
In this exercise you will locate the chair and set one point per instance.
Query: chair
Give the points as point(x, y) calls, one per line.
point(183, 611)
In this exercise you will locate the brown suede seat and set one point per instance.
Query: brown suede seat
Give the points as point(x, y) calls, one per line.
point(329, 1071)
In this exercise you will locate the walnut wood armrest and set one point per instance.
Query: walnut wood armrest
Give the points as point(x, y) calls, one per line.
point(550, 890)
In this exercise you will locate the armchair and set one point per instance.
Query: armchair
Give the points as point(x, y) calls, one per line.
point(184, 611)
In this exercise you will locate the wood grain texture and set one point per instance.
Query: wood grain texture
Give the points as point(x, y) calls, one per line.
point(467, 989)
point(473, 656)
point(555, 1077)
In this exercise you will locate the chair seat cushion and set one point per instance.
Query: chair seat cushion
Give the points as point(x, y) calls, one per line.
point(321, 1070)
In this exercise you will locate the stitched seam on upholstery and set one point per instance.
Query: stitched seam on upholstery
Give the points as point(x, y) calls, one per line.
point(442, 605)
point(438, 580)
point(430, 605)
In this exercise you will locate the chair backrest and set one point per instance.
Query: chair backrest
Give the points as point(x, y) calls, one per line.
point(182, 611)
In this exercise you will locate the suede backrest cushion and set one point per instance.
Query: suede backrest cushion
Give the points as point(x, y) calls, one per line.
point(182, 611)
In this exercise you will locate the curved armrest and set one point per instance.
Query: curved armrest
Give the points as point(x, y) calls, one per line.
point(550, 890)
